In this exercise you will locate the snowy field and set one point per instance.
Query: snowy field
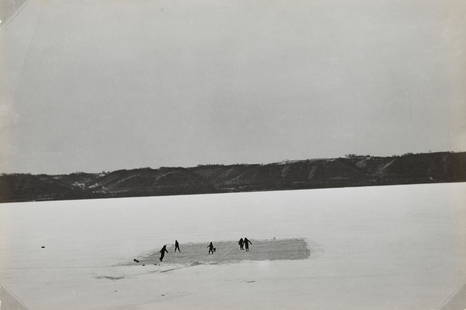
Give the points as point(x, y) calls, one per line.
point(392, 247)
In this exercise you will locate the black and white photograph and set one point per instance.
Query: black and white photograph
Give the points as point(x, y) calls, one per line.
point(232, 154)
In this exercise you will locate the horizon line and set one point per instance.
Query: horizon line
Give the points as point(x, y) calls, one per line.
point(230, 164)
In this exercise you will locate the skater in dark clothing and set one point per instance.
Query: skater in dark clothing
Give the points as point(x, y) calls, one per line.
point(247, 243)
point(177, 246)
point(211, 248)
point(241, 244)
point(162, 252)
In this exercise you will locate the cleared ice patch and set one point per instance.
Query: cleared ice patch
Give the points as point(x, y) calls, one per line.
point(193, 254)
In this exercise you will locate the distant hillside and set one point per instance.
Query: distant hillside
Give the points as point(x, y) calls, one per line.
point(304, 174)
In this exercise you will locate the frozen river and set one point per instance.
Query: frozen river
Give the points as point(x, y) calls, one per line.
point(389, 247)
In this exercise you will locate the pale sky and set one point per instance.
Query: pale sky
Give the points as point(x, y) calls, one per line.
point(92, 85)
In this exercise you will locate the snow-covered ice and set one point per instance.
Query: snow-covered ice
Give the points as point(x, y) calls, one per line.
point(389, 247)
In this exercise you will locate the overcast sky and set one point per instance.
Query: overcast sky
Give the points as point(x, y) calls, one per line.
point(92, 85)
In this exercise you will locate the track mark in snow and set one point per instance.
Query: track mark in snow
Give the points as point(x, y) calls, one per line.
point(110, 277)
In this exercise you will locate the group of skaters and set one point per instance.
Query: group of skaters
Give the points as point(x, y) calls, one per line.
point(164, 250)
point(243, 245)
